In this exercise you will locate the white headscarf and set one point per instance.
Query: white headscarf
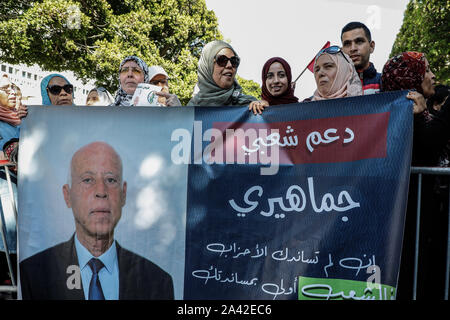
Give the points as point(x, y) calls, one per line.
point(104, 97)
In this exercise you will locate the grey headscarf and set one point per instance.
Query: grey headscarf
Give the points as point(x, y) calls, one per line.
point(122, 98)
point(210, 94)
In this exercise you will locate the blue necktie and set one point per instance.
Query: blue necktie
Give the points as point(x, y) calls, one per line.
point(95, 288)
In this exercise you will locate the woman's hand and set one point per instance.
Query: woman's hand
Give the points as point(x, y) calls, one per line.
point(420, 104)
point(258, 106)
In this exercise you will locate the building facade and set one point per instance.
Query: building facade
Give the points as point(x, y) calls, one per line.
point(28, 79)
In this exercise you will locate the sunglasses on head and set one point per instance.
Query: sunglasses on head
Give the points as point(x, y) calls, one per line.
point(222, 61)
point(55, 89)
point(332, 50)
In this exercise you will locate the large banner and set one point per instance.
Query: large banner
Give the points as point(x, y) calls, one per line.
point(306, 201)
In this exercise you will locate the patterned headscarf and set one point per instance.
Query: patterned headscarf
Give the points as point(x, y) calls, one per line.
point(346, 82)
point(210, 94)
point(287, 96)
point(404, 71)
point(122, 98)
point(44, 83)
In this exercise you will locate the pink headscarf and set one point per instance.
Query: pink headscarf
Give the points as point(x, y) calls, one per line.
point(345, 84)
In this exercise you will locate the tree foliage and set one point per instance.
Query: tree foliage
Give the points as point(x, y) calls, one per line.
point(426, 29)
point(92, 37)
point(249, 87)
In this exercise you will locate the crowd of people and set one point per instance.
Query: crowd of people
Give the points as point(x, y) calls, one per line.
point(339, 72)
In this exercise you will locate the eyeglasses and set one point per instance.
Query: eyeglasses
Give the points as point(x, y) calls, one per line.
point(135, 70)
point(332, 50)
point(162, 81)
point(222, 61)
point(55, 89)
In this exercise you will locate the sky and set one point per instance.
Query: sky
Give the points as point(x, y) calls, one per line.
point(297, 29)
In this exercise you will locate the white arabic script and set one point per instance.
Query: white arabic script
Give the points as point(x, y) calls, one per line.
point(296, 201)
point(316, 138)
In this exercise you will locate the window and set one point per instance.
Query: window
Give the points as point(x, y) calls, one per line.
point(3, 68)
point(10, 69)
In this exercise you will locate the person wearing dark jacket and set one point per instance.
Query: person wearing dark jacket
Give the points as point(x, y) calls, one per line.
point(411, 71)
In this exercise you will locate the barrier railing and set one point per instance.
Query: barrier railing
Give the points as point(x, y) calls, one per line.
point(420, 171)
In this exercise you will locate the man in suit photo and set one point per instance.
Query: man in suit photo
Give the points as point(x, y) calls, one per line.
point(92, 265)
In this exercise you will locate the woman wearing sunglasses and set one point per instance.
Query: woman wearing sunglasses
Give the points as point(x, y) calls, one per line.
point(217, 77)
point(335, 75)
point(56, 90)
point(276, 85)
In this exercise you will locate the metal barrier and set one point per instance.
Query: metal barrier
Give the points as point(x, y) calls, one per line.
point(13, 288)
point(420, 171)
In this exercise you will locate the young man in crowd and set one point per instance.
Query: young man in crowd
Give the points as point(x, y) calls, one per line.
point(358, 44)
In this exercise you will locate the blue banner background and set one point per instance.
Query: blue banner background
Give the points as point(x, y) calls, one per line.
point(334, 248)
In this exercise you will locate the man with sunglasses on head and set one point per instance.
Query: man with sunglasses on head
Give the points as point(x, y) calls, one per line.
point(159, 77)
point(358, 44)
point(56, 90)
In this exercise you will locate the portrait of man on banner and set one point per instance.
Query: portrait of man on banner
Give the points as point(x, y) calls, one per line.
point(117, 243)
point(96, 195)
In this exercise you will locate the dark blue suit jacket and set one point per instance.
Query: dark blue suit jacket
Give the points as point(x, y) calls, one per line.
point(44, 276)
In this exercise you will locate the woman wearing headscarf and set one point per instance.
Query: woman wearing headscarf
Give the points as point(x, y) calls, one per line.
point(276, 85)
point(335, 75)
point(9, 138)
point(217, 82)
point(132, 71)
point(99, 97)
point(9, 119)
point(411, 71)
point(56, 90)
